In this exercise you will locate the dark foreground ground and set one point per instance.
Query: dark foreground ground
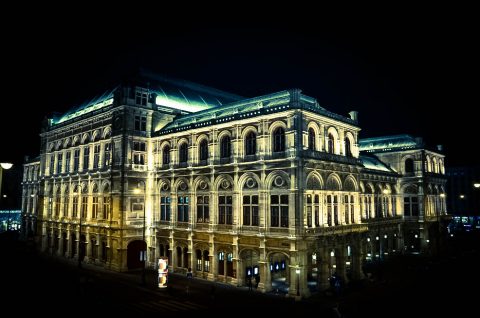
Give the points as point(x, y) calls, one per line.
point(408, 285)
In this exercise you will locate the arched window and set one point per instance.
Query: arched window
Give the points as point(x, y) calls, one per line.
point(311, 139)
point(331, 143)
point(166, 155)
point(250, 144)
point(348, 148)
point(183, 153)
point(279, 140)
point(225, 149)
point(409, 165)
point(203, 150)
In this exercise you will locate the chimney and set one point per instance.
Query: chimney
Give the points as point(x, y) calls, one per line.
point(354, 115)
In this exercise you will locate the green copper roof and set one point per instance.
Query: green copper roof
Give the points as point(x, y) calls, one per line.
point(373, 163)
point(388, 143)
point(173, 94)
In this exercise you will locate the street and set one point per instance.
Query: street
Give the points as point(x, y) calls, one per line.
point(410, 285)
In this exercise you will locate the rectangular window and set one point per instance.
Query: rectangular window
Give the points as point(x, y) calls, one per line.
point(108, 148)
point(84, 207)
point(140, 123)
point(279, 210)
point(96, 156)
point(67, 161)
point(57, 205)
point(347, 209)
point(76, 160)
point(182, 215)
point(75, 207)
point(139, 158)
point(309, 210)
point(225, 215)
point(250, 210)
point(352, 209)
point(86, 158)
point(94, 207)
point(203, 209)
point(165, 208)
point(59, 162)
point(329, 210)
point(65, 205)
point(52, 163)
point(317, 210)
point(141, 98)
point(335, 210)
point(106, 207)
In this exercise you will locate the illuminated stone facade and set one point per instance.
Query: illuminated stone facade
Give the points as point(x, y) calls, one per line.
point(272, 186)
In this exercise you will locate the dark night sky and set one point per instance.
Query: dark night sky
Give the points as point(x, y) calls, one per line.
point(403, 76)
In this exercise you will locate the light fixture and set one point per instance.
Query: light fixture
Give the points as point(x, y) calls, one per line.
point(6, 165)
point(442, 195)
point(476, 185)
point(462, 196)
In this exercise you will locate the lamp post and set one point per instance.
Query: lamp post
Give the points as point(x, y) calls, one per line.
point(143, 253)
point(298, 281)
point(4, 166)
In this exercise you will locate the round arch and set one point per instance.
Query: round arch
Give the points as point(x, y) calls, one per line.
point(272, 177)
point(220, 185)
point(246, 177)
point(314, 181)
point(350, 184)
point(334, 183)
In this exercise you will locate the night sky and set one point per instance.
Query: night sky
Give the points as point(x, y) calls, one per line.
point(401, 76)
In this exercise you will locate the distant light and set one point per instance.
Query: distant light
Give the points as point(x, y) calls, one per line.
point(416, 235)
point(442, 195)
point(385, 191)
point(347, 263)
point(377, 238)
point(334, 266)
point(332, 253)
point(368, 239)
point(385, 236)
point(428, 241)
point(451, 235)
point(476, 185)
point(297, 271)
point(462, 196)
point(6, 165)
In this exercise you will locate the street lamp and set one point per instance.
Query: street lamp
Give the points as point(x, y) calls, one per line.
point(143, 254)
point(298, 280)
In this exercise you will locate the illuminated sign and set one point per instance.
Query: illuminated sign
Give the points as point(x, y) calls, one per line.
point(162, 272)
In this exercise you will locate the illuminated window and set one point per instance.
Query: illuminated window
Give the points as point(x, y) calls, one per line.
point(250, 210)
point(279, 140)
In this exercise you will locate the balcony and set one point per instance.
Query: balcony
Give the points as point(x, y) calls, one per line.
point(337, 229)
